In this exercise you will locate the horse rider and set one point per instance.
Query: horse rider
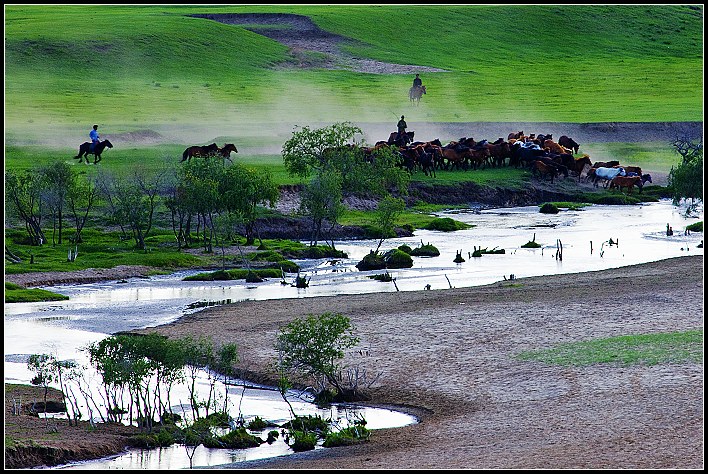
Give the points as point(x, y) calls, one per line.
point(93, 135)
point(417, 82)
point(402, 126)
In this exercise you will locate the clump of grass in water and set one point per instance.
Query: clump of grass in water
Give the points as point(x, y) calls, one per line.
point(531, 244)
point(647, 349)
point(18, 294)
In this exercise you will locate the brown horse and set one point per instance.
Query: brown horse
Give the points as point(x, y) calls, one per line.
point(200, 151)
point(543, 169)
point(225, 152)
point(415, 93)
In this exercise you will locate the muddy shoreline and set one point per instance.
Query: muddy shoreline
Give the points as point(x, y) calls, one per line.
point(451, 353)
point(448, 357)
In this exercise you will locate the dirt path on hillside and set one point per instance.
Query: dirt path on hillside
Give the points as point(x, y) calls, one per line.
point(448, 356)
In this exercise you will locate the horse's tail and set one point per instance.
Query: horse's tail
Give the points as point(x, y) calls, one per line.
point(185, 155)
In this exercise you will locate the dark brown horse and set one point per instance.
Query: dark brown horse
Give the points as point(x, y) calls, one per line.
point(404, 140)
point(569, 143)
point(225, 152)
point(200, 151)
point(85, 150)
point(543, 169)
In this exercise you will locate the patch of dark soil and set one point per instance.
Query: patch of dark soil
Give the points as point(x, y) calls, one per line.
point(482, 197)
point(32, 442)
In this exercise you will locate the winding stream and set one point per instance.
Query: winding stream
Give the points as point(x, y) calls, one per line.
point(100, 309)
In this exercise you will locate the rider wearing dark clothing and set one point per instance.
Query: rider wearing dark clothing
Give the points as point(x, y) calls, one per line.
point(417, 82)
point(402, 126)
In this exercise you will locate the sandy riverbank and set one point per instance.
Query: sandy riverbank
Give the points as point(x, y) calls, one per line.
point(448, 356)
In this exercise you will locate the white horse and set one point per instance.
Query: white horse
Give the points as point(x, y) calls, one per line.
point(607, 174)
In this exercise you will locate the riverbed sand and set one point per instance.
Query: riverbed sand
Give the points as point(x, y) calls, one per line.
point(449, 357)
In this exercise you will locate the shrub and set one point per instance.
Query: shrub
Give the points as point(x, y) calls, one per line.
point(272, 436)
point(302, 441)
point(549, 208)
point(235, 439)
point(346, 437)
point(405, 248)
point(696, 227)
point(397, 259)
point(309, 423)
point(372, 261)
point(257, 424)
point(161, 438)
point(446, 224)
point(218, 419)
point(427, 250)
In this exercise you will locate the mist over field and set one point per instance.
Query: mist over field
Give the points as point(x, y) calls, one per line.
point(154, 75)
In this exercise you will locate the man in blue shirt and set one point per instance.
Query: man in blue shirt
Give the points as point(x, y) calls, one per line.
point(93, 135)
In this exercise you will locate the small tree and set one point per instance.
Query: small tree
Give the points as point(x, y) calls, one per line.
point(388, 211)
point(314, 346)
point(57, 180)
point(24, 200)
point(44, 372)
point(686, 179)
point(322, 201)
point(134, 201)
point(82, 197)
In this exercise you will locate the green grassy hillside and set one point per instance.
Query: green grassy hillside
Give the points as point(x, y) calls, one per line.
point(153, 67)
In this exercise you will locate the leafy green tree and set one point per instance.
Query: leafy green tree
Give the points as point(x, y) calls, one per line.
point(198, 186)
point(337, 168)
point(134, 200)
point(44, 374)
point(310, 151)
point(313, 347)
point(387, 212)
point(322, 201)
point(245, 191)
point(686, 179)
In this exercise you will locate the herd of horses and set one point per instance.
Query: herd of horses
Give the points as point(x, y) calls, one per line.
point(206, 151)
point(544, 157)
point(209, 151)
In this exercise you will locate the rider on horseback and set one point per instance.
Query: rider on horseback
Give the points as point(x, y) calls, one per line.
point(402, 126)
point(93, 135)
point(417, 82)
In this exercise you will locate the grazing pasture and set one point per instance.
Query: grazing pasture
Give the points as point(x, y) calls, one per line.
point(133, 68)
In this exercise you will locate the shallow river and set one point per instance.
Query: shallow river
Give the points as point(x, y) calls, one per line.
point(96, 310)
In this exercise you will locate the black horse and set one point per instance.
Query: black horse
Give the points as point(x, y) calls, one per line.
point(85, 150)
point(403, 140)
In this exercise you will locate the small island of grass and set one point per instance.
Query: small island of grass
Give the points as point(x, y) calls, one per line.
point(18, 294)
